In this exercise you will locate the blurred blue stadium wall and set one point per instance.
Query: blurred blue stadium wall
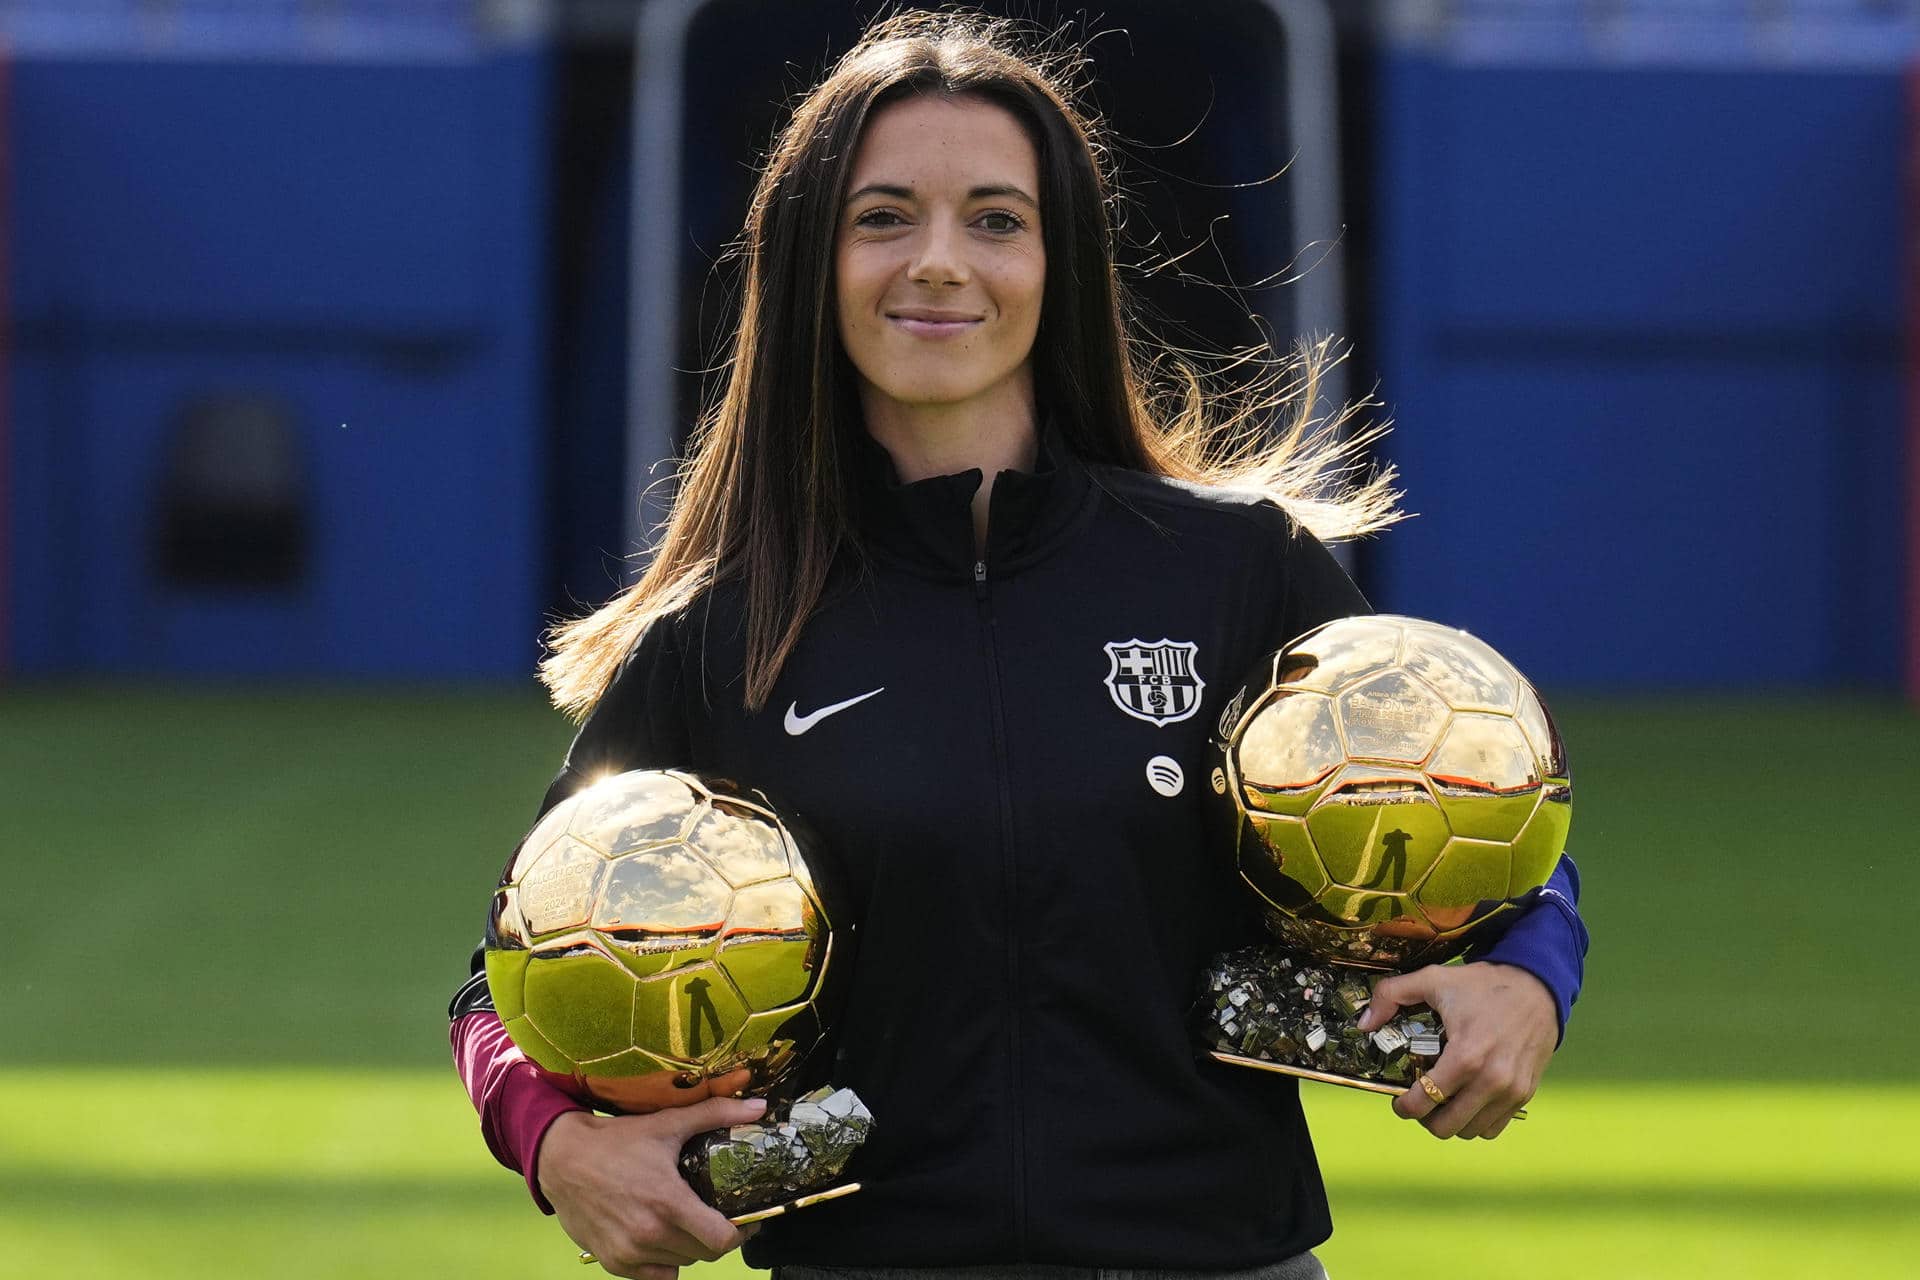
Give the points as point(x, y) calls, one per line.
point(326, 221)
point(1637, 288)
point(1640, 311)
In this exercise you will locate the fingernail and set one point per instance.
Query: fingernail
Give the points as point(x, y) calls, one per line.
point(756, 1104)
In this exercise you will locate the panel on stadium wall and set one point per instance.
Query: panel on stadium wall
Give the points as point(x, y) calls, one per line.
point(361, 241)
point(1639, 334)
point(1647, 523)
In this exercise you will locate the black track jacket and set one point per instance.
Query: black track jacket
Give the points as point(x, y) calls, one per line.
point(1018, 815)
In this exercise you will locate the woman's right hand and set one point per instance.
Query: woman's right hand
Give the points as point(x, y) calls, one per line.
point(615, 1184)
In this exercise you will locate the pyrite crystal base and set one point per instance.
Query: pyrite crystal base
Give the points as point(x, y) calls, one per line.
point(1267, 1008)
point(781, 1162)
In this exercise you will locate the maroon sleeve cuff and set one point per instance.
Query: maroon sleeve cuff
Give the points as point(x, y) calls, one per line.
point(528, 1106)
point(515, 1103)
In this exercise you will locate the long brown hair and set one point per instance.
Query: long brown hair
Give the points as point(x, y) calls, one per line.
point(764, 497)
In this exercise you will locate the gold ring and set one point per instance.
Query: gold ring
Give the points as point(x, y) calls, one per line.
point(1432, 1090)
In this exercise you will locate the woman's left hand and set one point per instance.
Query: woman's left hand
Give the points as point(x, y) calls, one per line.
point(1501, 1027)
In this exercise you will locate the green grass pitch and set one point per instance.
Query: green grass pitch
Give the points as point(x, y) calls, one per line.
point(232, 921)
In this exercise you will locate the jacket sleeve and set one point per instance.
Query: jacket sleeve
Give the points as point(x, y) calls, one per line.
point(638, 723)
point(1549, 940)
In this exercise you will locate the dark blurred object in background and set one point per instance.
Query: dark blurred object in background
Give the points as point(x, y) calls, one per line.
point(235, 498)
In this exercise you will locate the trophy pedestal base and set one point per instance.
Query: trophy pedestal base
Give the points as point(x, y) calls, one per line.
point(1309, 1073)
point(1269, 1008)
point(768, 1167)
point(773, 1211)
point(1324, 1077)
point(790, 1157)
point(800, 1202)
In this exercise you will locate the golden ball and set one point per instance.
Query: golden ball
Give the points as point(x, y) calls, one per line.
point(1395, 788)
point(658, 929)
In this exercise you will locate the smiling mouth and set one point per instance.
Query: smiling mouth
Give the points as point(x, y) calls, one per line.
point(931, 328)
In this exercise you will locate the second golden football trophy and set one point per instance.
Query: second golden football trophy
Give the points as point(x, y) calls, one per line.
point(661, 930)
point(1395, 791)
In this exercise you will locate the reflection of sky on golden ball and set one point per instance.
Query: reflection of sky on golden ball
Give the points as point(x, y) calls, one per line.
point(550, 828)
point(778, 907)
point(1484, 753)
point(663, 889)
point(1292, 743)
point(631, 810)
point(1357, 649)
point(1542, 736)
point(744, 851)
point(1468, 674)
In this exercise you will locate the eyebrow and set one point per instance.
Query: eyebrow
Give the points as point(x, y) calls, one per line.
point(978, 193)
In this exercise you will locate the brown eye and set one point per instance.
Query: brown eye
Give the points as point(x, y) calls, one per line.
point(1005, 216)
point(866, 219)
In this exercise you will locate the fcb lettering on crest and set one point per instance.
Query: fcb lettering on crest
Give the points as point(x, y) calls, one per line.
point(1154, 680)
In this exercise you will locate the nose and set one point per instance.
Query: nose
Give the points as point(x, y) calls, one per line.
point(937, 257)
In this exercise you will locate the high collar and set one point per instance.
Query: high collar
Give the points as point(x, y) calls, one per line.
point(927, 525)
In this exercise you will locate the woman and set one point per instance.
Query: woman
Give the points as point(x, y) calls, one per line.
point(933, 503)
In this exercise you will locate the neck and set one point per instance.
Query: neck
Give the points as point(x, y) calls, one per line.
point(999, 434)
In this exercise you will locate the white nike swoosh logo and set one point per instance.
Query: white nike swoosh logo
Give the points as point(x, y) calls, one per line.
point(798, 724)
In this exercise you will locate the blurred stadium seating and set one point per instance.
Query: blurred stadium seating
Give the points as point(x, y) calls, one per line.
point(1630, 276)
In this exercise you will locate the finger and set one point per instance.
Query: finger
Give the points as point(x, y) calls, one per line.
point(681, 1246)
point(1505, 1105)
point(657, 1235)
point(731, 1084)
point(1416, 1103)
point(1450, 1076)
point(1381, 1006)
point(638, 1270)
point(1390, 995)
point(715, 1235)
point(1499, 1126)
point(715, 1113)
point(671, 1250)
point(1447, 1120)
point(1495, 1108)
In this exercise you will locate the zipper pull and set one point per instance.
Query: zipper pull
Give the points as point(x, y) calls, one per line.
point(979, 570)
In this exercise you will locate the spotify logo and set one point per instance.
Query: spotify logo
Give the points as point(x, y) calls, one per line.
point(1164, 776)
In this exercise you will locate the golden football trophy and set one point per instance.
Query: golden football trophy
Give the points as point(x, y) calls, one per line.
point(660, 929)
point(1396, 791)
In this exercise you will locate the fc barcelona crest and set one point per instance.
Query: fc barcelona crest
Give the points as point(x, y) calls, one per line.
point(1154, 681)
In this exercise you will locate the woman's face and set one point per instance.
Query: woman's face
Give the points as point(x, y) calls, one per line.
point(938, 261)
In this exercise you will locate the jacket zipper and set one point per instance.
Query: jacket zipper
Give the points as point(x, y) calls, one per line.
point(1016, 1149)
